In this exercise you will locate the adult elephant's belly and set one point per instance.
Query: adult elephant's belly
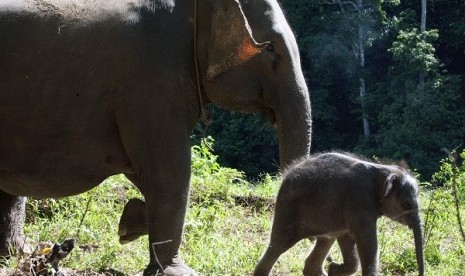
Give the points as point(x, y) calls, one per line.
point(71, 161)
point(42, 186)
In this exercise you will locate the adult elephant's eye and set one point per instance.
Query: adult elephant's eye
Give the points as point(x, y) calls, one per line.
point(270, 47)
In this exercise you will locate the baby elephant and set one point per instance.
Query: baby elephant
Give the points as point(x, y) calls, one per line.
point(337, 196)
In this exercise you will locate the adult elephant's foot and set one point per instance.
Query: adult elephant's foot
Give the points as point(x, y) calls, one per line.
point(176, 268)
point(15, 245)
point(133, 223)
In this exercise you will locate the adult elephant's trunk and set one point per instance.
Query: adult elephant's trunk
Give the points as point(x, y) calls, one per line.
point(294, 125)
point(418, 237)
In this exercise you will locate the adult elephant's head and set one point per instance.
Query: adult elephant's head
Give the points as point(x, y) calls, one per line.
point(249, 61)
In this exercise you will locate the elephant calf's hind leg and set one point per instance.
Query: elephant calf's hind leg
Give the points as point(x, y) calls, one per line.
point(314, 262)
point(349, 255)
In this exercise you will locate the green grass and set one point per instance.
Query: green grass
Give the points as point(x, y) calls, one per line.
point(227, 228)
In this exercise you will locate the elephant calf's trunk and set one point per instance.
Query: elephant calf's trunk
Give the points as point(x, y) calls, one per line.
point(418, 236)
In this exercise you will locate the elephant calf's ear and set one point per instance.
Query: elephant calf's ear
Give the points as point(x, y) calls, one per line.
point(231, 42)
point(388, 186)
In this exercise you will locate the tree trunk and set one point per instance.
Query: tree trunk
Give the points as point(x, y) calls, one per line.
point(421, 75)
point(366, 124)
point(423, 16)
point(358, 48)
point(362, 88)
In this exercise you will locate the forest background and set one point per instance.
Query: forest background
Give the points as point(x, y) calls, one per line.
point(386, 79)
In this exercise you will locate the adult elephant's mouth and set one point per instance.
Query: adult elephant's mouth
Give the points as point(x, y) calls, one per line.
point(270, 115)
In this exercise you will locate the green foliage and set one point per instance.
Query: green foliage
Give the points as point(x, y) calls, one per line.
point(449, 187)
point(420, 106)
point(245, 142)
point(414, 51)
point(445, 206)
point(420, 120)
point(396, 258)
point(211, 182)
point(409, 120)
point(204, 163)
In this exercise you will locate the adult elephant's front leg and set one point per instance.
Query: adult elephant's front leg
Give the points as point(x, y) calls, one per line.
point(156, 141)
point(165, 186)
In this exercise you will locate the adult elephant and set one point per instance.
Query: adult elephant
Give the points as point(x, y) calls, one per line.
point(92, 88)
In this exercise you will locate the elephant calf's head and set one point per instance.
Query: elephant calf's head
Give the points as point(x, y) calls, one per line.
point(400, 203)
point(400, 198)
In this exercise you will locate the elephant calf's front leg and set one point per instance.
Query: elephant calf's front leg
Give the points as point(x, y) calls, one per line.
point(367, 247)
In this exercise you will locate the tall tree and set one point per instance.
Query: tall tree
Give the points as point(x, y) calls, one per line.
point(361, 12)
point(422, 30)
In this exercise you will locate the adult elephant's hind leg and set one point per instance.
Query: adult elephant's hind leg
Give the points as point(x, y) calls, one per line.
point(12, 214)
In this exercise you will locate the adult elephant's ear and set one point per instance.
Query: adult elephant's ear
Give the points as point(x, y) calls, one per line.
point(231, 42)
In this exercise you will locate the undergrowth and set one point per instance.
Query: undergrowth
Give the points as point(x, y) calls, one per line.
point(228, 225)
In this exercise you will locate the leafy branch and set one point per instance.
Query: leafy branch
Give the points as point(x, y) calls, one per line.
point(455, 173)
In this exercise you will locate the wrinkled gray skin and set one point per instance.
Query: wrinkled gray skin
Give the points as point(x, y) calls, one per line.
point(92, 88)
point(336, 196)
point(132, 223)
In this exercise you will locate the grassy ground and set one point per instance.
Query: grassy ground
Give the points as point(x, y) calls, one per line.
point(227, 228)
